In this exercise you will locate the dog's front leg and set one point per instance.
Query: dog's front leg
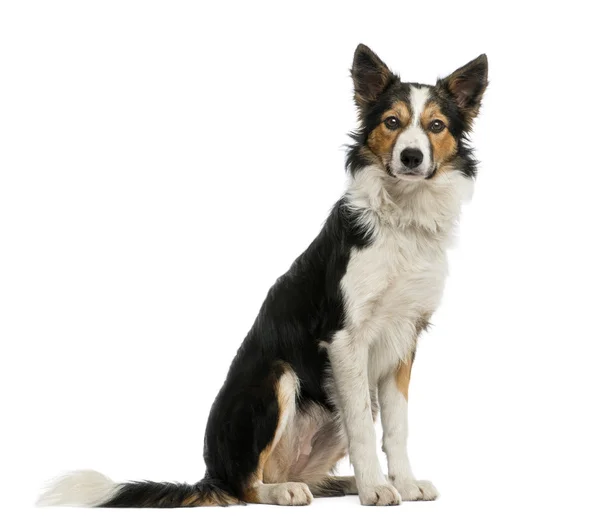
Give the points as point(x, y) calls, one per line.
point(393, 399)
point(349, 362)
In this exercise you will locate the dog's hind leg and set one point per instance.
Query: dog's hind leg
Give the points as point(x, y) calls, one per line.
point(308, 452)
point(246, 424)
point(282, 493)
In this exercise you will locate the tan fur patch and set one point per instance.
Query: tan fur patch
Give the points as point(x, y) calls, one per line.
point(405, 367)
point(251, 494)
point(210, 498)
point(286, 393)
point(197, 500)
point(443, 145)
point(191, 500)
point(381, 140)
point(403, 377)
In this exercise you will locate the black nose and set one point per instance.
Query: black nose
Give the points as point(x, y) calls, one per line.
point(411, 157)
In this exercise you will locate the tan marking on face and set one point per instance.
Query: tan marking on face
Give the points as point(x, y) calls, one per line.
point(443, 144)
point(403, 376)
point(381, 140)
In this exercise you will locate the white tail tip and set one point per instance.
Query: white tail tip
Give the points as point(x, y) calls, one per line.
point(79, 488)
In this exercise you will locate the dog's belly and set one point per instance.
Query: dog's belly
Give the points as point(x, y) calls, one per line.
point(310, 447)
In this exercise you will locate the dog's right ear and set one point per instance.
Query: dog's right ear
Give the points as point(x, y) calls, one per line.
point(370, 75)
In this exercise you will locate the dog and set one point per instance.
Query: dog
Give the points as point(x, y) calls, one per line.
point(334, 341)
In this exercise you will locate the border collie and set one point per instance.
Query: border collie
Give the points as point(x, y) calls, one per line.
point(334, 341)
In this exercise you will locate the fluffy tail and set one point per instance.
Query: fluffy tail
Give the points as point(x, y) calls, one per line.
point(90, 488)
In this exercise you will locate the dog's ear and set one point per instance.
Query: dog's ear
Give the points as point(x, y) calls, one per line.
point(370, 75)
point(466, 86)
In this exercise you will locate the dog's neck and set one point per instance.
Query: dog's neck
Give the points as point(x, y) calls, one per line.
point(432, 206)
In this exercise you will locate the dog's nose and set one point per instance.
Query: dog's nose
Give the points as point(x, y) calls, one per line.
point(411, 157)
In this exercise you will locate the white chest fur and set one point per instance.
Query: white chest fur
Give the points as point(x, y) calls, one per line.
point(393, 283)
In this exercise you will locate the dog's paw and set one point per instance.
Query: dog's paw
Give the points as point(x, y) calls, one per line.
point(416, 490)
point(291, 494)
point(381, 495)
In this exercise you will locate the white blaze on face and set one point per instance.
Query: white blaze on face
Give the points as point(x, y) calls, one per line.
point(414, 136)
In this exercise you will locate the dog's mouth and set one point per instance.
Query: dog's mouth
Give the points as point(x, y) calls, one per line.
point(409, 175)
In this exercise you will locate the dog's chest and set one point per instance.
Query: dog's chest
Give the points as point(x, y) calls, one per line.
point(389, 286)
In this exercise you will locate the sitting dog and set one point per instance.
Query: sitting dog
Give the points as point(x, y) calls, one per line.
point(334, 341)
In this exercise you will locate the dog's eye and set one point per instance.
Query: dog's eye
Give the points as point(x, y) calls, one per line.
point(437, 126)
point(393, 123)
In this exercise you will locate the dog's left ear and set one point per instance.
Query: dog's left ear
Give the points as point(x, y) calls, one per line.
point(466, 86)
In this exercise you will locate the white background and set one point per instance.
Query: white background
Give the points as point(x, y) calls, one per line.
point(162, 163)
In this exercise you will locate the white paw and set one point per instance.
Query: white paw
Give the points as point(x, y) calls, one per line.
point(291, 494)
point(416, 490)
point(381, 495)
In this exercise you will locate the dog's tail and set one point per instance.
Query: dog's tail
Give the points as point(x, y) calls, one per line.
point(90, 488)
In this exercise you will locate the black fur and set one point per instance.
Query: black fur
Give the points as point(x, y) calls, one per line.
point(302, 308)
point(170, 495)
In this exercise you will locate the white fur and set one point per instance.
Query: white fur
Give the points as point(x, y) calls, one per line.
point(79, 488)
point(388, 287)
point(349, 363)
point(394, 419)
point(414, 137)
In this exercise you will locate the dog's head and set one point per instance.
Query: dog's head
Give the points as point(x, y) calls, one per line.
point(414, 131)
